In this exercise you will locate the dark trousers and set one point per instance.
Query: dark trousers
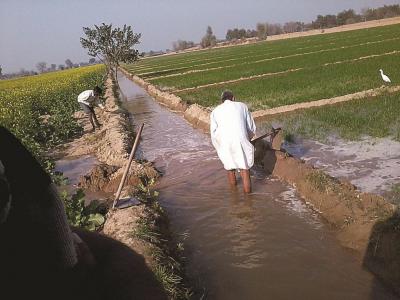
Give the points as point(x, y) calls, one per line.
point(90, 112)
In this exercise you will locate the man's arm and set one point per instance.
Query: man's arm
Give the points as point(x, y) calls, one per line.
point(213, 129)
point(251, 125)
point(99, 103)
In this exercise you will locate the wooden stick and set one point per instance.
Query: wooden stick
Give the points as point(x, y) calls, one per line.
point(274, 130)
point(121, 184)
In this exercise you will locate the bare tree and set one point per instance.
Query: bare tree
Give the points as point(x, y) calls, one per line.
point(69, 63)
point(209, 40)
point(41, 66)
point(182, 45)
point(262, 30)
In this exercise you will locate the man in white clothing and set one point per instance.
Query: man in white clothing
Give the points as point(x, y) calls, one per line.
point(87, 100)
point(232, 128)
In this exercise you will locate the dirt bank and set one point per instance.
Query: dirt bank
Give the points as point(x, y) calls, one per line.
point(111, 145)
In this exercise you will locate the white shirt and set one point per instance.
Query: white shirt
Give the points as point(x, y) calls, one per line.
point(231, 128)
point(88, 98)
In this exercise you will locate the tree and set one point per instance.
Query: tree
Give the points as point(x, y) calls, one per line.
point(209, 40)
point(61, 67)
point(69, 63)
point(111, 45)
point(1, 70)
point(347, 17)
point(53, 67)
point(182, 45)
point(92, 60)
point(262, 29)
point(41, 66)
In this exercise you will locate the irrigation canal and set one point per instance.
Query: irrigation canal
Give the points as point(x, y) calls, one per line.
point(268, 245)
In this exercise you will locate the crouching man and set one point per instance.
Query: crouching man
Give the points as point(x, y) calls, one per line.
point(88, 100)
point(232, 127)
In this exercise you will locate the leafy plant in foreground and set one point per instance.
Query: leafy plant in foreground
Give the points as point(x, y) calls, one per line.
point(90, 217)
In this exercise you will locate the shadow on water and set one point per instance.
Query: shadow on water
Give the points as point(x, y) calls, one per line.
point(267, 245)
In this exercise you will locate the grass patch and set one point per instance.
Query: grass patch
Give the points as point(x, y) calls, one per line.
point(192, 59)
point(315, 81)
point(377, 117)
point(323, 182)
point(166, 252)
point(393, 196)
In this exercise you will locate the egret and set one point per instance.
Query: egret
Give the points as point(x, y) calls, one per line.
point(384, 77)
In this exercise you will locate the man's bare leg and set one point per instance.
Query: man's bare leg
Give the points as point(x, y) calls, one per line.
point(232, 178)
point(245, 174)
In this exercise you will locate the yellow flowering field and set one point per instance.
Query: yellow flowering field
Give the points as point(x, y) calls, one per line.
point(38, 109)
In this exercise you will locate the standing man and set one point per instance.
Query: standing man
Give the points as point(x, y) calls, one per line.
point(87, 100)
point(232, 128)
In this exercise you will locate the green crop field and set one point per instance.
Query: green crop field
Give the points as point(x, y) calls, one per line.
point(287, 71)
point(372, 116)
point(38, 109)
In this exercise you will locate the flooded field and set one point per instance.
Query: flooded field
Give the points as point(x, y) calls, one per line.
point(372, 164)
point(267, 245)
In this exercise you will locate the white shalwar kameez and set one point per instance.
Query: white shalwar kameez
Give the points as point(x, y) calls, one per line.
point(231, 128)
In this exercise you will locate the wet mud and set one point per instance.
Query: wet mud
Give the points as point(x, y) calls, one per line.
point(268, 244)
point(74, 169)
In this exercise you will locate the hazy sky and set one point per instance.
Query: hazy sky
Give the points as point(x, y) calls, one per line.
point(49, 30)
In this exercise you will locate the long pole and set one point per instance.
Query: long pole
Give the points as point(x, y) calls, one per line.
point(121, 184)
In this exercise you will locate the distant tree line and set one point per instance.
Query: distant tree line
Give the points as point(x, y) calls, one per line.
point(322, 21)
point(263, 30)
point(42, 67)
point(350, 16)
point(182, 45)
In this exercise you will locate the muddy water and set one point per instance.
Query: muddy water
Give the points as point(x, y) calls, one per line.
point(267, 245)
point(73, 168)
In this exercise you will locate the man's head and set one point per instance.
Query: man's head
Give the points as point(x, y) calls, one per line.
point(227, 95)
point(97, 90)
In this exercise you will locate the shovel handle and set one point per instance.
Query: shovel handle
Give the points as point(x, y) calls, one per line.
point(273, 132)
point(121, 184)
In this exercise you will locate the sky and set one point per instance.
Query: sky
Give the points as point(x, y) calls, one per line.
point(49, 30)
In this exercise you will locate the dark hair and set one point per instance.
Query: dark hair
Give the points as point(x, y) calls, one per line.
point(226, 95)
point(97, 90)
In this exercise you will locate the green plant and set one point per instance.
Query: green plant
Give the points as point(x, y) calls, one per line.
point(164, 250)
point(90, 217)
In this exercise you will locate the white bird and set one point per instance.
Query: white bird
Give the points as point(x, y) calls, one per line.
point(384, 77)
